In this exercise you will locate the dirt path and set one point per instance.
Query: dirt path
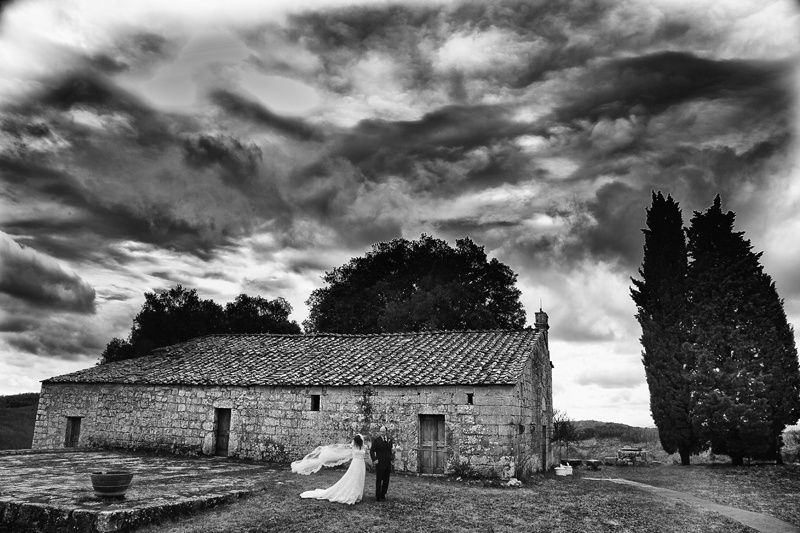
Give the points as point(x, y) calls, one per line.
point(758, 521)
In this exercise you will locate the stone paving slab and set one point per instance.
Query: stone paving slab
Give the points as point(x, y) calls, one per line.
point(53, 491)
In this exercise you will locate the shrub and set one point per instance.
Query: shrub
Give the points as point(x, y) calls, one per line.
point(274, 452)
point(461, 468)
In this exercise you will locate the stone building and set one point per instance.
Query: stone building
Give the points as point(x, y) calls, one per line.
point(451, 400)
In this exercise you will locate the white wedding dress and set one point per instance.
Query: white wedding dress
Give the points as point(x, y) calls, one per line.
point(350, 487)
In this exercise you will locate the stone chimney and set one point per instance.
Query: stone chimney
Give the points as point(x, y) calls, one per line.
point(541, 321)
point(540, 324)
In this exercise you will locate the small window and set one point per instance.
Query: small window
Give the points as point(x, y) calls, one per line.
point(315, 402)
point(470, 397)
point(521, 429)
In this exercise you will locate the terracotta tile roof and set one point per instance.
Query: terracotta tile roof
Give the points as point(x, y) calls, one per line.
point(398, 359)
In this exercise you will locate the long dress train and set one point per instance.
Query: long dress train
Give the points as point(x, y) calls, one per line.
point(350, 487)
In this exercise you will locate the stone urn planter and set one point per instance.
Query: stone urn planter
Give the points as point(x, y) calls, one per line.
point(112, 483)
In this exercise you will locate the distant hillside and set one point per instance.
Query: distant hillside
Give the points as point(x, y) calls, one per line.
point(17, 418)
point(602, 439)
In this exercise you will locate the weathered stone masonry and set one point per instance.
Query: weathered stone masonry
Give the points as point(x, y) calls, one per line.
point(275, 423)
point(494, 395)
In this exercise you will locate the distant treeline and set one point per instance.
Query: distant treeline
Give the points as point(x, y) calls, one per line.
point(17, 420)
point(20, 400)
point(591, 429)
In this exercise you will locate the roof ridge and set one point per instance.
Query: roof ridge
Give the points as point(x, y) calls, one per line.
point(373, 334)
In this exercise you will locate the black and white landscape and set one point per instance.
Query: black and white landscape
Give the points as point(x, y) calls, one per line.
point(241, 147)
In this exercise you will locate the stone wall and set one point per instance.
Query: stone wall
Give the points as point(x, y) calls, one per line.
point(277, 423)
point(533, 451)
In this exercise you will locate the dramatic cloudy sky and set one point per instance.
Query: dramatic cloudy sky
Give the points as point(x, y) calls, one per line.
point(241, 147)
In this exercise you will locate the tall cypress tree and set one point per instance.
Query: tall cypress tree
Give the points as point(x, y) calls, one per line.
point(783, 379)
point(746, 378)
point(660, 298)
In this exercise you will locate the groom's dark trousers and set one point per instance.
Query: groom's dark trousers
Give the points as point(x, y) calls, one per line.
point(382, 473)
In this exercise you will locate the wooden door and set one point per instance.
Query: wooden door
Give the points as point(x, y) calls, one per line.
point(432, 444)
point(73, 434)
point(223, 431)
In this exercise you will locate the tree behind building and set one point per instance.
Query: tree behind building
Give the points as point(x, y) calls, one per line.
point(178, 314)
point(417, 285)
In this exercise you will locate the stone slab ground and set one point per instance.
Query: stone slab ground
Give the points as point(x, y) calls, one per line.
point(53, 491)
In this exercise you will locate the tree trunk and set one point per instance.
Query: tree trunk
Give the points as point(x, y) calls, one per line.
point(737, 460)
point(685, 457)
point(777, 449)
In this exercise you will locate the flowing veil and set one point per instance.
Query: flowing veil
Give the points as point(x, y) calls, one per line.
point(328, 455)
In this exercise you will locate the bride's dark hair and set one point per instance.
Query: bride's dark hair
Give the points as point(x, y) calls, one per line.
point(358, 441)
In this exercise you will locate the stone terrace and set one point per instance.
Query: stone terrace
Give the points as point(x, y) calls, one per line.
point(53, 491)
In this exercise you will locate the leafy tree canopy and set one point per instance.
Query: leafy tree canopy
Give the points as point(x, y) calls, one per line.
point(178, 314)
point(254, 314)
point(564, 430)
point(419, 285)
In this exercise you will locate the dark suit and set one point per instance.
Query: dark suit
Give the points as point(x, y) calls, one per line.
point(381, 451)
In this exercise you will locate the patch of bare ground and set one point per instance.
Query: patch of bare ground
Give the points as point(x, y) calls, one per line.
point(762, 488)
point(443, 505)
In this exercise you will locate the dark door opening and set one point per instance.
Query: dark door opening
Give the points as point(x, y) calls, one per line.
point(432, 444)
point(73, 433)
point(223, 430)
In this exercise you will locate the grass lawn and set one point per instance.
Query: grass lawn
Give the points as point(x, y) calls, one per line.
point(769, 489)
point(441, 505)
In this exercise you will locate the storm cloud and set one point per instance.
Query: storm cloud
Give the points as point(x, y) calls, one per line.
point(39, 280)
point(249, 110)
point(120, 170)
point(234, 149)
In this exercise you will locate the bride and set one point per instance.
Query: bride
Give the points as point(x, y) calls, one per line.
point(350, 488)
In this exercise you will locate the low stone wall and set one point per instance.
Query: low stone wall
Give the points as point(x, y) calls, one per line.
point(277, 423)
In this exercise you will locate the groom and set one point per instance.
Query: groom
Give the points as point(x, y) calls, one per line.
point(381, 454)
